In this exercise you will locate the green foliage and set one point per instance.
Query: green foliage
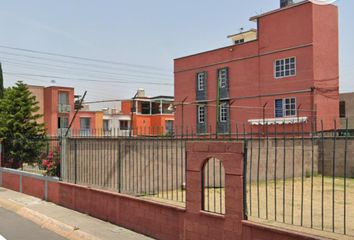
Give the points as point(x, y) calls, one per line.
point(51, 164)
point(1, 83)
point(22, 137)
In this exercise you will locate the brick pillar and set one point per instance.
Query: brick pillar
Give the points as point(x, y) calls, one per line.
point(202, 225)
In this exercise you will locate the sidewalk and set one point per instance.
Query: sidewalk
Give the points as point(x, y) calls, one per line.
point(65, 222)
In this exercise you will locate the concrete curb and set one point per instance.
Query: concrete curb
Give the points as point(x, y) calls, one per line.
point(62, 229)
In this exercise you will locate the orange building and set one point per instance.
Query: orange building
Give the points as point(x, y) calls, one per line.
point(57, 105)
point(150, 115)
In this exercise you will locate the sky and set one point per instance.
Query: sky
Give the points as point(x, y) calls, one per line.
point(137, 39)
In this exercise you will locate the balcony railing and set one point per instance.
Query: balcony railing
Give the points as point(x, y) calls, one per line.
point(62, 131)
point(64, 108)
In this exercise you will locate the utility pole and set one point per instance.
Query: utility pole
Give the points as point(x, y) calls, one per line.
point(76, 112)
point(132, 110)
point(184, 100)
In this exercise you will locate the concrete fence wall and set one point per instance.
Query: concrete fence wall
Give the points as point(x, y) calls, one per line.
point(162, 221)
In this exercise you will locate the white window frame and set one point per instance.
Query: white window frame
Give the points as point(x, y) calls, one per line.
point(222, 77)
point(283, 70)
point(284, 104)
point(201, 80)
point(201, 113)
point(224, 112)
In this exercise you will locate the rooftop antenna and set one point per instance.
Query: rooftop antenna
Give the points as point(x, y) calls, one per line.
point(241, 29)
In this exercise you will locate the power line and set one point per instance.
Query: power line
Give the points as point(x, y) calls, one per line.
point(85, 64)
point(87, 79)
point(54, 66)
point(84, 58)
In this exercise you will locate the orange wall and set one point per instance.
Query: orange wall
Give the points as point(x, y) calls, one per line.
point(145, 124)
point(126, 107)
point(51, 107)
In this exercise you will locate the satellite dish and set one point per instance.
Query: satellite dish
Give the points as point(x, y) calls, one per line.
point(53, 82)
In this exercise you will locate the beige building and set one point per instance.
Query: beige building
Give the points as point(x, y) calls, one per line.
point(38, 92)
point(346, 109)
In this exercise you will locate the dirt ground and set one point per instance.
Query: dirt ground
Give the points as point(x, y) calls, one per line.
point(295, 209)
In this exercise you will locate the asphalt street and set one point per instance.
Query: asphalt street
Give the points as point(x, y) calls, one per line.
point(14, 227)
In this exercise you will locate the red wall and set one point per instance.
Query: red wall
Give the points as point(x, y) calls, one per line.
point(293, 32)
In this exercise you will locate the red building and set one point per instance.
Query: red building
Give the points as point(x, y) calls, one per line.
point(285, 71)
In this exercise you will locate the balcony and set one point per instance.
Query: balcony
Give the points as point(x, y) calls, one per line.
point(64, 108)
point(62, 131)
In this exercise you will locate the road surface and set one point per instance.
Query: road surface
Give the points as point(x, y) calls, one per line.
point(14, 227)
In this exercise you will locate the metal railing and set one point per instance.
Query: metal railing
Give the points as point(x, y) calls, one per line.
point(306, 180)
point(144, 167)
point(213, 186)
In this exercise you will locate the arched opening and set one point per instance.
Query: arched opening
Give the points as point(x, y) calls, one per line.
point(213, 186)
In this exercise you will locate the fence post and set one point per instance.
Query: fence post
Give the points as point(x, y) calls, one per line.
point(63, 147)
point(75, 161)
point(119, 172)
point(245, 212)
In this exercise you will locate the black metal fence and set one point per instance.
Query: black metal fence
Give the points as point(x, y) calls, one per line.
point(305, 180)
point(145, 167)
point(213, 186)
point(294, 175)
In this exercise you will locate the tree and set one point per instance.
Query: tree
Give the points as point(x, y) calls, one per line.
point(21, 135)
point(1, 83)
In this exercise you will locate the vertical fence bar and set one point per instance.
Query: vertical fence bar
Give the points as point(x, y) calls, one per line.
point(250, 176)
point(119, 170)
point(245, 214)
point(293, 177)
point(258, 168)
point(75, 161)
point(345, 176)
point(322, 190)
point(266, 170)
point(302, 171)
point(334, 175)
point(312, 172)
point(284, 162)
point(275, 170)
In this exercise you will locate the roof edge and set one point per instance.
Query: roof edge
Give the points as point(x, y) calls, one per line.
point(254, 18)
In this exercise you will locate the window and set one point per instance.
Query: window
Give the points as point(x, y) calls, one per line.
point(285, 107)
point(63, 122)
point(224, 112)
point(63, 98)
point(342, 112)
point(285, 67)
point(145, 108)
point(222, 77)
point(239, 41)
point(169, 126)
point(201, 113)
point(278, 108)
point(124, 124)
point(85, 123)
point(106, 125)
point(201, 81)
